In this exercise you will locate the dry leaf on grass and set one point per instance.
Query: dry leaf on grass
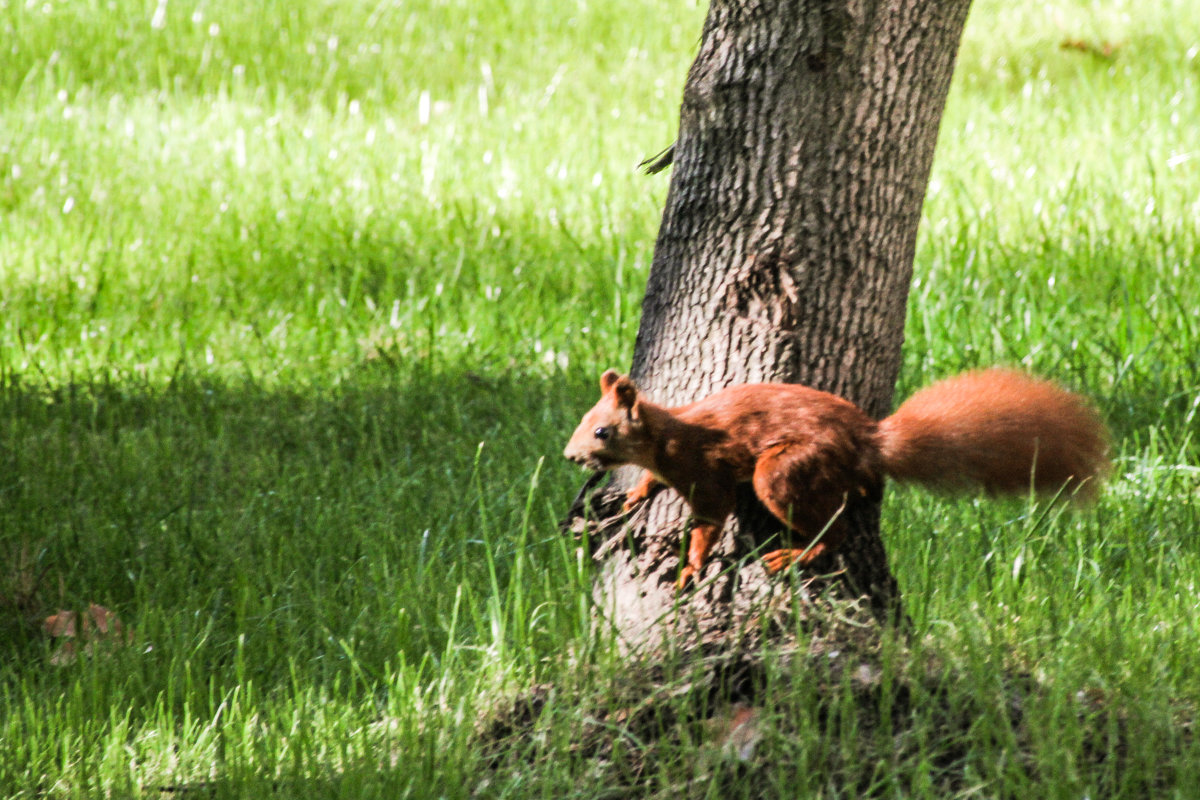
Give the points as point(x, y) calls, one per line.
point(1105, 50)
point(84, 634)
point(739, 731)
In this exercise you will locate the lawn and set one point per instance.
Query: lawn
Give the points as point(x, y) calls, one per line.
point(300, 300)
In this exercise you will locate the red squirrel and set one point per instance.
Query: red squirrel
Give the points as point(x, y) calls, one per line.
point(806, 450)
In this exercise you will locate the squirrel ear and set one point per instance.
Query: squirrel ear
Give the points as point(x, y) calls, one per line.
point(626, 392)
point(607, 380)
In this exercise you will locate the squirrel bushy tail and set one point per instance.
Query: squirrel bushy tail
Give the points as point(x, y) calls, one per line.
point(1000, 430)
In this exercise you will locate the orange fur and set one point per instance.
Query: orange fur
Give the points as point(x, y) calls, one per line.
point(805, 451)
point(1000, 430)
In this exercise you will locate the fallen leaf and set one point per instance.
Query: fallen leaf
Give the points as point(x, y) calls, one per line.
point(64, 654)
point(60, 624)
point(105, 621)
point(739, 732)
point(1104, 50)
point(84, 634)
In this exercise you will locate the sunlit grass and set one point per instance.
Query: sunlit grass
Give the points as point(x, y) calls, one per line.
point(298, 301)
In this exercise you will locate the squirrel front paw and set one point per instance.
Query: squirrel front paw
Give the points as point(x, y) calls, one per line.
point(640, 493)
point(634, 498)
point(685, 577)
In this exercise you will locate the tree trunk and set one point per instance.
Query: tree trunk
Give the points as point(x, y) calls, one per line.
point(805, 141)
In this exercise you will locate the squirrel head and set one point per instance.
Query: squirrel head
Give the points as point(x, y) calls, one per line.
point(614, 431)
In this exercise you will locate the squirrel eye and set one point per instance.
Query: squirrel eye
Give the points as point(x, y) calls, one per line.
point(601, 433)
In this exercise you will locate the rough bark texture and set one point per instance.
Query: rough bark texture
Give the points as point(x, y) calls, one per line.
point(785, 254)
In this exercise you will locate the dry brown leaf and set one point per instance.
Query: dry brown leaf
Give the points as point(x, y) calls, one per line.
point(105, 621)
point(1104, 50)
point(84, 634)
point(60, 624)
point(738, 732)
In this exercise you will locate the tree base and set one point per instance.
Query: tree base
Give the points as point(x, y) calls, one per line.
point(876, 719)
point(734, 602)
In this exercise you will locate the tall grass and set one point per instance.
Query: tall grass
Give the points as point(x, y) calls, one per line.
point(298, 301)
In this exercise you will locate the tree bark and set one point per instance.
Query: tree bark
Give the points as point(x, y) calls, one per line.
point(785, 253)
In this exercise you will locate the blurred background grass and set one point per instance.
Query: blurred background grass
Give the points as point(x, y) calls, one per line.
point(296, 298)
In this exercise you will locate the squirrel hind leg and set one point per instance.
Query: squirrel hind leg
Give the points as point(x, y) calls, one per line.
point(778, 560)
point(801, 486)
point(806, 489)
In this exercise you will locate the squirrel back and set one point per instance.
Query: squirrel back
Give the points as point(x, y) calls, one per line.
point(998, 429)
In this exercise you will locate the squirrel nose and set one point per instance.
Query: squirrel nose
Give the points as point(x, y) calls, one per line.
point(575, 455)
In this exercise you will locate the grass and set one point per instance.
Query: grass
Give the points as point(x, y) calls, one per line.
point(299, 302)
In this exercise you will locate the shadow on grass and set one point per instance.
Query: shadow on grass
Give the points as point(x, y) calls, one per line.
point(208, 512)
